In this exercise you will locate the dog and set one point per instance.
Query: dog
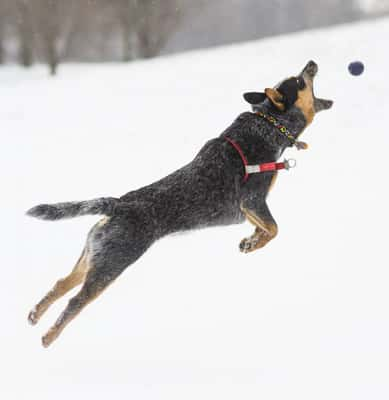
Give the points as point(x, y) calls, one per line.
point(212, 190)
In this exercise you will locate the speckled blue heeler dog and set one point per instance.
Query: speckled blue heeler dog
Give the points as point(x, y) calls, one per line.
point(209, 191)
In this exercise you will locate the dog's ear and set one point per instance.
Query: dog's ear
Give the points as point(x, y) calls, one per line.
point(321, 104)
point(276, 98)
point(254, 97)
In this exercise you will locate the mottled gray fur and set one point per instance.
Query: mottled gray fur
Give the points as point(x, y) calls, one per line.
point(209, 191)
point(53, 212)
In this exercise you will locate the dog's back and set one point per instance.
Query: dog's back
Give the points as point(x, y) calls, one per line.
point(203, 193)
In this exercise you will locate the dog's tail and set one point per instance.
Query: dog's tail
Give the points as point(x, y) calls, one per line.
point(53, 212)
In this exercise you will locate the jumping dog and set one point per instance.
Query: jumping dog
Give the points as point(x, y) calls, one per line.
point(212, 190)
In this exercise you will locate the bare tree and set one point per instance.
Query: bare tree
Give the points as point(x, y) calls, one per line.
point(145, 25)
point(25, 32)
point(126, 16)
point(100, 31)
point(155, 20)
point(4, 19)
point(53, 23)
point(1, 45)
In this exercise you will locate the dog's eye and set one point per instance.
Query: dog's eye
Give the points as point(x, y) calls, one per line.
point(300, 83)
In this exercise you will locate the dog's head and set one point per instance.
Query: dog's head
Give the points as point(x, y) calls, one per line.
point(296, 91)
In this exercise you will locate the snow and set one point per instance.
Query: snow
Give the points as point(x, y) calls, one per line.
point(304, 318)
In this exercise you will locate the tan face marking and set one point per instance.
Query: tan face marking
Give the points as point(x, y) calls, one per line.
point(305, 102)
point(276, 98)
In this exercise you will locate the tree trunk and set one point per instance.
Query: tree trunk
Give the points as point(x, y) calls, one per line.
point(144, 45)
point(26, 44)
point(25, 50)
point(127, 53)
point(1, 47)
point(52, 56)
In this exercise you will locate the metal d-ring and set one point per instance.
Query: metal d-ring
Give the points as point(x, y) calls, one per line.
point(291, 163)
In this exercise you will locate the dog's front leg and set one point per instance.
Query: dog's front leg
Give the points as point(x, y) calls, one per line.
point(265, 227)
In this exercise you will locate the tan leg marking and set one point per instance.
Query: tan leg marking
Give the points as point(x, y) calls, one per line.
point(62, 321)
point(273, 181)
point(103, 221)
point(62, 286)
point(264, 232)
point(89, 292)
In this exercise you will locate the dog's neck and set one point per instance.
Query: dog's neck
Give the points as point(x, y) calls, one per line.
point(293, 120)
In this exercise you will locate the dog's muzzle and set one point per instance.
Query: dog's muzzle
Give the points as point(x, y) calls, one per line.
point(310, 69)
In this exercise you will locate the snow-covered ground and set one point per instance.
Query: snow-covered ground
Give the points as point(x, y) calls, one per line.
point(307, 317)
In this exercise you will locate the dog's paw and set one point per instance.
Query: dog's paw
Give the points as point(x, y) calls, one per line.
point(46, 341)
point(50, 336)
point(33, 317)
point(248, 244)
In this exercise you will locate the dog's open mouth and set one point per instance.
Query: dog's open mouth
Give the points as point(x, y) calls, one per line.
point(308, 74)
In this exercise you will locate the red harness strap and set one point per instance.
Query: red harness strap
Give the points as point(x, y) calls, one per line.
point(242, 156)
point(265, 167)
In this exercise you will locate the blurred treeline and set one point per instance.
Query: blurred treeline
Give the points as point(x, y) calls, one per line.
point(84, 30)
point(51, 31)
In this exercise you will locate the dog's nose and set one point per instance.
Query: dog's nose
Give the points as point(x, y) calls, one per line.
point(311, 68)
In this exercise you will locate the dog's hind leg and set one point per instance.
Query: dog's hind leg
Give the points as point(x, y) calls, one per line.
point(93, 286)
point(113, 247)
point(60, 288)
